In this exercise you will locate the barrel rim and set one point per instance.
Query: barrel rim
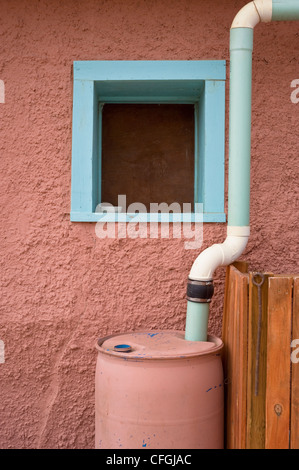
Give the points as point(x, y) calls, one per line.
point(216, 351)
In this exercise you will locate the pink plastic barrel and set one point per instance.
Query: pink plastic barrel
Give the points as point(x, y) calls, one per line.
point(155, 390)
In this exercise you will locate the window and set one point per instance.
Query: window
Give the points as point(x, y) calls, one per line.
point(185, 94)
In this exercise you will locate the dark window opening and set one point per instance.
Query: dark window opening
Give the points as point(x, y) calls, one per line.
point(148, 153)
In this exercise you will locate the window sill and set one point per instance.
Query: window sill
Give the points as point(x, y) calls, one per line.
point(147, 217)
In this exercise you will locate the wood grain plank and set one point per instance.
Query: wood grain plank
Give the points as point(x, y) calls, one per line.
point(241, 266)
point(278, 363)
point(256, 412)
point(231, 364)
point(235, 364)
point(227, 336)
point(235, 357)
point(225, 319)
point(243, 363)
point(294, 444)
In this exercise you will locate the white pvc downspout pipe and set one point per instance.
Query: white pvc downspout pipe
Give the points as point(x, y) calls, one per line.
point(200, 289)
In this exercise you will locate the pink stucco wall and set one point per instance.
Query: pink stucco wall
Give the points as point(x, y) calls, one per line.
point(61, 286)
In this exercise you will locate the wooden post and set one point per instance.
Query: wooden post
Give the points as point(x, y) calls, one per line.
point(295, 369)
point(270, 418)
point(256, 413)
point(278, 363)
point(235, 355)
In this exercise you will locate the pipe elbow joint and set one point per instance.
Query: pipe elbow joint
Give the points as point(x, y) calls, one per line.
point(232, 248)
point(220, 254)
point(253, 13)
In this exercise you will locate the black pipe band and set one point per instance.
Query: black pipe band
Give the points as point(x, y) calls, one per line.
point(200, 291)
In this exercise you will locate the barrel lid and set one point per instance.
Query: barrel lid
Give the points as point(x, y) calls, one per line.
point(157, 344)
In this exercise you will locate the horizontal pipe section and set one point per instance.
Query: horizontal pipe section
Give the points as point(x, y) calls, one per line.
point(285, 10)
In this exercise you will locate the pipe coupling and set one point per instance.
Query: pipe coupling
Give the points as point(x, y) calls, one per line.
point(200, 291)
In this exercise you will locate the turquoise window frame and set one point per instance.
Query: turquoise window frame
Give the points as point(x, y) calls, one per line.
point(198, 82)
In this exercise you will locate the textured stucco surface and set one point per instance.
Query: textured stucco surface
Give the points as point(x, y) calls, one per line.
point(61, 286)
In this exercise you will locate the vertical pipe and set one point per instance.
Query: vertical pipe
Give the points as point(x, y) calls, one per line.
point(241, 45)
point(197, 321)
